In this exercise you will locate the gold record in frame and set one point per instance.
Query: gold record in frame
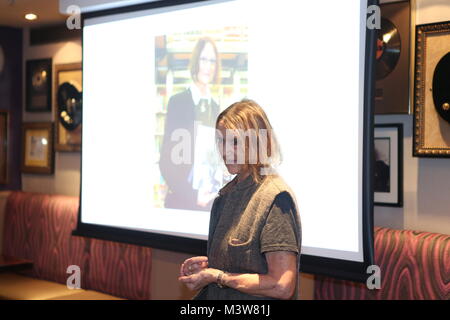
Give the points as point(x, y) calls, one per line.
point(388, 49)
point(38, 85)
point(67, 140)
point(431, 131)
point(393, 59)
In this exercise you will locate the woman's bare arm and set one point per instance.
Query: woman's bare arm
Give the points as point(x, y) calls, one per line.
point(279, 282)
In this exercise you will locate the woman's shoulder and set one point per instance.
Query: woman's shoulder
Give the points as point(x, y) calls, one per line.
point(275, 183)
point(275, 186)
point(181, 98)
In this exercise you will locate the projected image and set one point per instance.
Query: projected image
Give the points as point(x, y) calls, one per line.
point(197, 75)
point(182, 65)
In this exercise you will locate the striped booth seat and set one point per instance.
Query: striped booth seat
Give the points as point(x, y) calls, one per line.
point(38, 227)
point(414, 266)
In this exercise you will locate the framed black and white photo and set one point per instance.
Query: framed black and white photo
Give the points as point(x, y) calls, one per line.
point(388, 165)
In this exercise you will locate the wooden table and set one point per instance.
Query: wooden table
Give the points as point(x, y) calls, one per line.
point(12, 263)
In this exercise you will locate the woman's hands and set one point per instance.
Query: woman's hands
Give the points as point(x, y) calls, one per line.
point(201, 279)
point(195, 274)
point(193, 265)
point(279, 282)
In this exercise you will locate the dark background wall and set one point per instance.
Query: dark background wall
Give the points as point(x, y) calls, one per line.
point(11, 101)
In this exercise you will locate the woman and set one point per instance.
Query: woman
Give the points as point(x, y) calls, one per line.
point(186, 109)
point(254, 236)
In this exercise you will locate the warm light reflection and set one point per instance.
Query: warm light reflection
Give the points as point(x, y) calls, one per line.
point(30, 16)
point(387, 37)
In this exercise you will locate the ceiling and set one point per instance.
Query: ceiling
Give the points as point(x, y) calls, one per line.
point(12, 13)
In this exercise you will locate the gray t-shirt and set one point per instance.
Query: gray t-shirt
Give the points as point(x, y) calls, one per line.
point(237, 244)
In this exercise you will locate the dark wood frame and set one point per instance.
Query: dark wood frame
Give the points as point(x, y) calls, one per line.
point(392, 92)
point(49, 168)
point(31, 65)
point(419, 147)
point(399, 174)
point(4, 125)
point(58, 127)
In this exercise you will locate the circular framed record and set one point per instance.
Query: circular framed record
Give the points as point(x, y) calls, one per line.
point(441, 87)
point(69, 106)
point(388, 49)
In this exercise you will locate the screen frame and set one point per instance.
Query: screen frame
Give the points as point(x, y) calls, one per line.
point(341, 269)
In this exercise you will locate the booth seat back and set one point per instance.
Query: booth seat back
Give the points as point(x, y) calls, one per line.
point(414, 265)
point(39, 227)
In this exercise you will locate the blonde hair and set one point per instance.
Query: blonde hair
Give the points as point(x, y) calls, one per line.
point(247, 116)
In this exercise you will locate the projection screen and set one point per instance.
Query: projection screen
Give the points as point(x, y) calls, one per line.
point(308, 64)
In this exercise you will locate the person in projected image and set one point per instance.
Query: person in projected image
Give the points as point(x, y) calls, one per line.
point(254, 241)
point(188, 110)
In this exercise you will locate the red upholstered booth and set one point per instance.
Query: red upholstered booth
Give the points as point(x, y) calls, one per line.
point(38, 227)
point(414, 265)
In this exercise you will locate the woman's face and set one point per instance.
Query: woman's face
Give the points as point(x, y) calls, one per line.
point(207, 65)
point(229, 149)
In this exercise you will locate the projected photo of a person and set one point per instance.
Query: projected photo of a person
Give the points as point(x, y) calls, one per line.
point(254, 240)
point(188, 112)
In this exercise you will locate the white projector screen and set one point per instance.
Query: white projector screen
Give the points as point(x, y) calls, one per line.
point(304, 62)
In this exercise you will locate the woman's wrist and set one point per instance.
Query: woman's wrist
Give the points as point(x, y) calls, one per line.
point(220, 279)
point(216, 276)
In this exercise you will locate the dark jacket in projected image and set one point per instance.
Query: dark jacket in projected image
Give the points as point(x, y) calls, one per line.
point(182, 114)
point(247, 221)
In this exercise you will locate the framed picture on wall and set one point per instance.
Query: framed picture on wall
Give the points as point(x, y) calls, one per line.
point(432, 94)
point(388, 165)
point(37, 148)
point(4, 118)
point(39, 85)
point(393, 59)
point(68, 104)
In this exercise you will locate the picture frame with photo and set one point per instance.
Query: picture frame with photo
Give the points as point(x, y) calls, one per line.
point(388, 165)
point(37, 148)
